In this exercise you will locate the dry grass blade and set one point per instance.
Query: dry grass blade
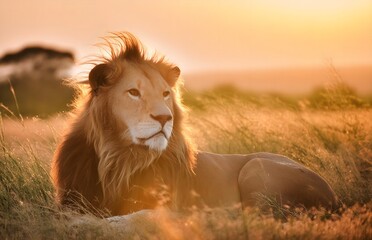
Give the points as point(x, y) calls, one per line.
point(15, 100)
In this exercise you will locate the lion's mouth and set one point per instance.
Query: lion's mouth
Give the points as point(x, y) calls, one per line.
point(142, 140)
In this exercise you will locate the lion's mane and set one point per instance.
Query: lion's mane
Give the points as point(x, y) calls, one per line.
point(94, 167)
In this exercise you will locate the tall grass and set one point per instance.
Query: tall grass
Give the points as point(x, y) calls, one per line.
point(335, 142)
point(27, 208)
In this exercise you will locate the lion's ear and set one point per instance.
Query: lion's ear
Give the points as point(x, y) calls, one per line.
point(173, 75)
point(98, 76)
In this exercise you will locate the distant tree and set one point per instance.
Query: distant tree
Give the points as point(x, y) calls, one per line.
point(37, 80)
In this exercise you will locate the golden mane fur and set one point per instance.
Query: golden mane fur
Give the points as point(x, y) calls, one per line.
point(94, 166)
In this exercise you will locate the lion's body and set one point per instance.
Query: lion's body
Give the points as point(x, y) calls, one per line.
point(128, 150)
point(244, 177)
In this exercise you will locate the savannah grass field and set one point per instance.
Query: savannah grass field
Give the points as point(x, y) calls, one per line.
point(328, 131)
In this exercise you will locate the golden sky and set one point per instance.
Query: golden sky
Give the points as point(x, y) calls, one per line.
point(204, 34)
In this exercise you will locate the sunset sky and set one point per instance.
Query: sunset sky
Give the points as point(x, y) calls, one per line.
point(202, 35)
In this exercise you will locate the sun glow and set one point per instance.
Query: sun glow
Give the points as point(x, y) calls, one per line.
point(257, 33)
point(314, 7)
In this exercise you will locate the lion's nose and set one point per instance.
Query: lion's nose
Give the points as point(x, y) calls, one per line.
point(162, 119)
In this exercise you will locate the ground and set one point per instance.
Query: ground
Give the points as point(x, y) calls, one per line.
point(332, 138)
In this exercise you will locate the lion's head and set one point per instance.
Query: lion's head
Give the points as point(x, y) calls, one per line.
point(133, 117)
point(141, 93)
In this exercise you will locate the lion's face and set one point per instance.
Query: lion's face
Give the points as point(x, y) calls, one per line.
point(142, 101)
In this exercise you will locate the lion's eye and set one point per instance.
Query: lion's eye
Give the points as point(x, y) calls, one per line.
point(166, 94)
point(134, 93)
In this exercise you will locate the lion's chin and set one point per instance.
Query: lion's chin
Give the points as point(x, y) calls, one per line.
point(158, 143)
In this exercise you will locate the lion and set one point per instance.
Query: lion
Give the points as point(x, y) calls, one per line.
point(127, 148)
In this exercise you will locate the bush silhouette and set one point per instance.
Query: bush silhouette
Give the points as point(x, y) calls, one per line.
point(36, 82)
